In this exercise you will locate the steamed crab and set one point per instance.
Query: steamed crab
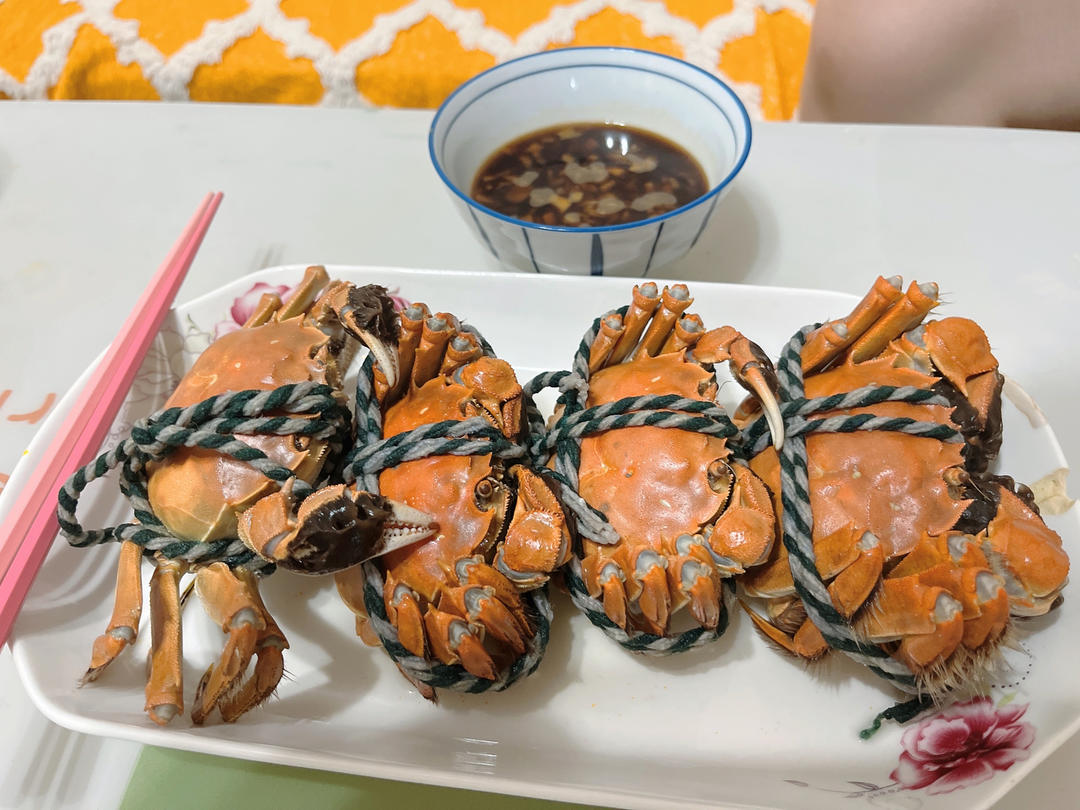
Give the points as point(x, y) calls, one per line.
point(456, 597)
point(925, 551)
point(201, 495)
point(687, 513)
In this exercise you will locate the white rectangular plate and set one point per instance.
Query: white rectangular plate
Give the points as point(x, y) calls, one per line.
point(732, 724)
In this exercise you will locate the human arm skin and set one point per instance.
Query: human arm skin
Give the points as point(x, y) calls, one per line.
point(964, 62)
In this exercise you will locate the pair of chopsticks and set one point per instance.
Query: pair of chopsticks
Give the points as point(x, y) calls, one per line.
point(30, 526)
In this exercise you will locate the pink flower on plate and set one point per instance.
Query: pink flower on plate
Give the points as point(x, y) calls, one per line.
point(963, 746)
point(244, 305)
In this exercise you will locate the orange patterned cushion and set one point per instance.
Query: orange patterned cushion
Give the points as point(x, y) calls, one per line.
point(405, 53)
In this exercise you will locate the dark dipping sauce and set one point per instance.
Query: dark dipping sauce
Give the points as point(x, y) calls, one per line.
point(588, 175)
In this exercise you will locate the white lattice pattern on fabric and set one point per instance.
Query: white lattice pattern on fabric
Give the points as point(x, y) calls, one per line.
point(171, 76)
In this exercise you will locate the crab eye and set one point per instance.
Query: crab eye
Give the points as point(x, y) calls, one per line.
point(484, 494)
point(721, 479)
point(300, 443)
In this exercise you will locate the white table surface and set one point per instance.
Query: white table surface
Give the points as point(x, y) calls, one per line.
point(92, 195)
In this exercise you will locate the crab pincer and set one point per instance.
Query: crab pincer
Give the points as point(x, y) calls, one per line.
point(334, 528)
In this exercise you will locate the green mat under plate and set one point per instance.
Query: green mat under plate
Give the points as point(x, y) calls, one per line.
point(177, 780)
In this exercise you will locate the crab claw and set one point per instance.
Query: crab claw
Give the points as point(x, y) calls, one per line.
point(368, 314)
point(750, 366)
point(335, 528)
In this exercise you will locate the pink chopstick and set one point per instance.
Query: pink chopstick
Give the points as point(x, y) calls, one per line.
point(30, 526)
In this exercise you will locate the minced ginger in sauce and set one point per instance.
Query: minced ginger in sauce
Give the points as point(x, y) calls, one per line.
point(588, 175)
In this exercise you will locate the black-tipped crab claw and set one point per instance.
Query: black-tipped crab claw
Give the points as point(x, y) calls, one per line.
point(333, 528)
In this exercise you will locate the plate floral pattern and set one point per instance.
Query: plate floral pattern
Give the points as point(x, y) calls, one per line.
point(962, 745)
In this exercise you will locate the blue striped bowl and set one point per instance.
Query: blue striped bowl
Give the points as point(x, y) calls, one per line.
point(637, 88)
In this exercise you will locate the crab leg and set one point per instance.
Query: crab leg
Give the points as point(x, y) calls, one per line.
point(127, 610)
point(165, 682)
point(646, 298)
point(232, 600)
point(956, 563)
point(833, 554)
point(605, 570)
point(981, 595)
point(473, 571)
point(830, 340)
point(452, 641)
point(693, 580)
point(463, 348)
point(315, 279)
point(351, 591)
point(806, 642)
point(269, 303)
point(850, 589)
point(269, 306)
point(480, 606)
point(611, 329)
point(901, 316)
point(437, 331)
point(412, 325)
point(403, 610)
point(928, 621)
point(612, 581)
point(674, 302)
point(688, 330)
point(654, 597)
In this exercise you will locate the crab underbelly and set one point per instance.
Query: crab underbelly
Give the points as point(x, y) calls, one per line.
point(443, 487)
point(651, 482)
point(890, 484)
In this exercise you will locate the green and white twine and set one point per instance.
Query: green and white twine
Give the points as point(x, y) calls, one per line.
point(217, 423)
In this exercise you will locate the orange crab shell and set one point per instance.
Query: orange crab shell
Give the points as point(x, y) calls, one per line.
point(849, 484)
point(198, 493)
point(676, 497)
point(439, 485)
